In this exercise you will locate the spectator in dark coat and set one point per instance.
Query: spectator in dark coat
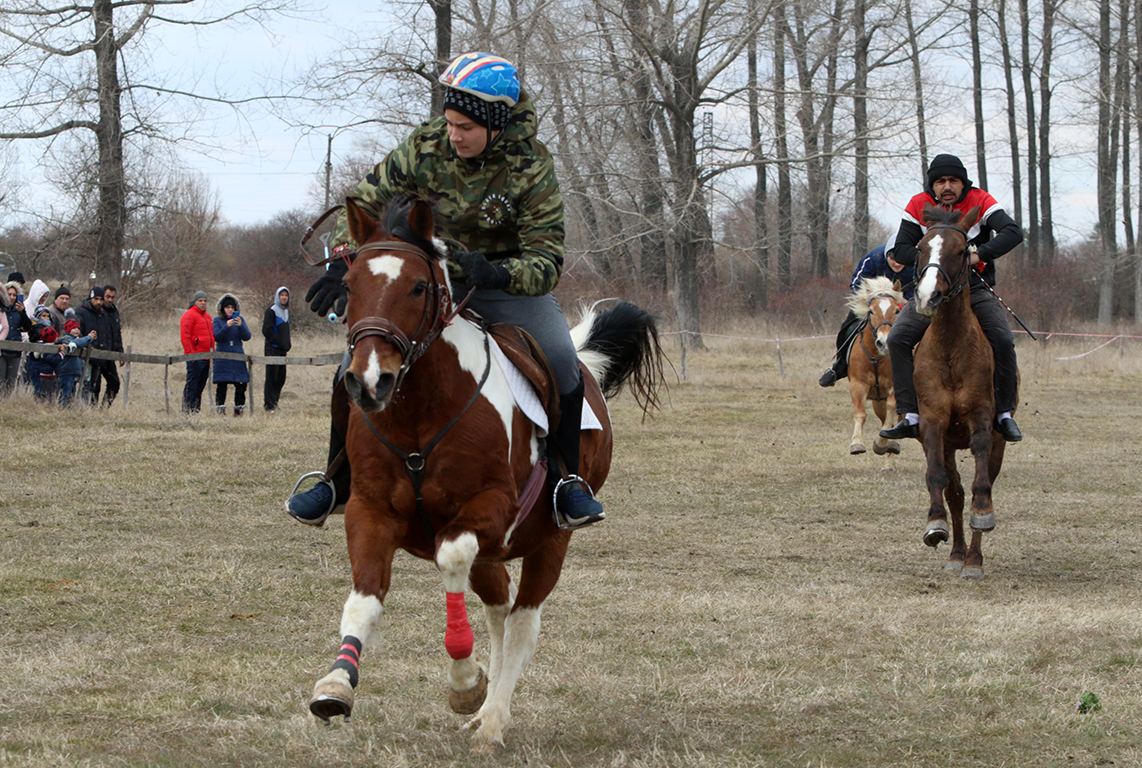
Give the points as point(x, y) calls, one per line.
point(275, 327)
point(230, 330)
point(114, 342)
point(197, 334)
point(92, 318)
point(17, 324)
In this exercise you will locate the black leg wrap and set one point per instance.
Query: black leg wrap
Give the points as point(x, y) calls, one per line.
point(349, 658)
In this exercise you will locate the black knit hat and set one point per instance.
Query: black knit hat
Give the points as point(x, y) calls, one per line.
point(947, 165)
point(96, 292)
point(16, 276)
point(62, 291)
point(493, 115)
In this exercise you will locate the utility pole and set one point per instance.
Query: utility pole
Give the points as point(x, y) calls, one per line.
point(328, 168)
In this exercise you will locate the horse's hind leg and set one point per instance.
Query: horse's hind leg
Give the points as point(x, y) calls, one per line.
point(538, 576)
point(371, 554)
point(491, 582)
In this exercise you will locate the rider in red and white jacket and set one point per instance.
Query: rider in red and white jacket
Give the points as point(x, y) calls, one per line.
point(995, 234)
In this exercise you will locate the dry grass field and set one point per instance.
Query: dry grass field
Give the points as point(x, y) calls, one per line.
point(757, 597)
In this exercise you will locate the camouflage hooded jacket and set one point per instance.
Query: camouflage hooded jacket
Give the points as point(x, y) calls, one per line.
point(505, 203)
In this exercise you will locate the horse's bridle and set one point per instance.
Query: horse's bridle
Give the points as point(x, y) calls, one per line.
point(437, 315)
point(962, 277)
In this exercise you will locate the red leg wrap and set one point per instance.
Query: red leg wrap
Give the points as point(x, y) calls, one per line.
point(458, 639)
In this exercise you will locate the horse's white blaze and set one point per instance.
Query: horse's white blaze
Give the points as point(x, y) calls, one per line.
point(468, 341)
point(454, 559)
point(928, 282)
point(521, 632)
point(389, 266)
point(360, 616)
point(372, 370)
point(884, 305)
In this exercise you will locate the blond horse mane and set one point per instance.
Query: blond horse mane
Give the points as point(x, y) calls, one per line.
point(869, 288)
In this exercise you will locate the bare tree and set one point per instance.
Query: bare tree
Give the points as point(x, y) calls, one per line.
point(65, 66)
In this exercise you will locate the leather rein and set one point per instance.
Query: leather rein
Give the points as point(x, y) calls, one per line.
point(439, 312)
point(962, 278)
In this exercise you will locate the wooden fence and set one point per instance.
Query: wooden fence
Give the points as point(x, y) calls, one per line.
point(128, 357)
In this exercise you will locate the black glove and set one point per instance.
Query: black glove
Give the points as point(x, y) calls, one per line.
point(481, 273)
point(329, 290)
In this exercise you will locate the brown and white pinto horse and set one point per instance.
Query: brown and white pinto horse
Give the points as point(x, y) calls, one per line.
point(876, 302)
point(441, 455)
point(954, 368)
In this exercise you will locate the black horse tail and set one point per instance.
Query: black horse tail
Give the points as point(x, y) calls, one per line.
point(620, 347)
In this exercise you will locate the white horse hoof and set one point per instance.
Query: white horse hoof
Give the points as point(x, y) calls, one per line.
point(857, 448)
point(331, 699)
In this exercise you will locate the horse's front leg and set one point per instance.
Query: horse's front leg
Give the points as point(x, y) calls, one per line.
point(936, 529)
point(456, 549)
point(858, 391)
point(954, 494)
point(538, 576)
point(371, 546)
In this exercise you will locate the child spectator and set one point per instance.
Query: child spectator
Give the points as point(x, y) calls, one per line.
point(72, 366)
point(43, 366)
point(230, 330)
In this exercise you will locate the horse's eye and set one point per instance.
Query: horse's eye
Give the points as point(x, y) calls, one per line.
point(420, 288)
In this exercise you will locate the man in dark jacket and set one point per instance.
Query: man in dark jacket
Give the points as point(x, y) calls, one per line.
point(275, 327)
point(114, 343)
point(92, 318)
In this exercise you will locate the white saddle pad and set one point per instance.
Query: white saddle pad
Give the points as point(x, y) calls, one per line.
point(528, 401)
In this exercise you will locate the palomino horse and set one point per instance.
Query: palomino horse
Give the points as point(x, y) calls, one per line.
point(442, 455)
point(876, 302)
point(953, 377)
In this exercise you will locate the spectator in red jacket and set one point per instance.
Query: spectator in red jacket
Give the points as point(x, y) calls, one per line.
point(197, 330)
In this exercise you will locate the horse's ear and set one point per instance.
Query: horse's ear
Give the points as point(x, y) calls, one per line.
point(361, 224)
point(968, 220)
point(896, 286)
point(420, 219)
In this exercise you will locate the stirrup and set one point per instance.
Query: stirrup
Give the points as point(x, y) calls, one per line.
point(319, 522)
point(562, 522)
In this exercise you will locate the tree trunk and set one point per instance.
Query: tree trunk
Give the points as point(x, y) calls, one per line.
point(977, 94)
point(442, 10)
point(781, 128)
point(918, 88)
point(759, 294)
point(1012, 118)
point(1106, 166)
point(1047, 228)
point(860, 128)
point(109, 139)
point(1031, 243)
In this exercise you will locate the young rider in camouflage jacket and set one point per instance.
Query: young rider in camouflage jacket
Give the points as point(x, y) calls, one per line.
point(496, 193)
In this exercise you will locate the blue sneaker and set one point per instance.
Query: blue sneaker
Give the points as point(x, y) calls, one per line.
point(575, 505)
point(313, 506)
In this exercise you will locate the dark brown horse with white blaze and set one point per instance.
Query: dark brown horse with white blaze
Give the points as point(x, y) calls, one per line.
point(876, 301)
point(441, 455)
point(954, 368)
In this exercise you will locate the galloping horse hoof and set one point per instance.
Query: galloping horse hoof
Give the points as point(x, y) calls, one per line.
point(982, 523)
point(890, 446)
point(936, 533)
point(331, 699)
point(469, 701)
point(858, 448)
point(973, 572)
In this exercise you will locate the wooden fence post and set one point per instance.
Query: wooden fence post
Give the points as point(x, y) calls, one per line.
point(166, 388)
point(127, 379)
point(250, 386)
